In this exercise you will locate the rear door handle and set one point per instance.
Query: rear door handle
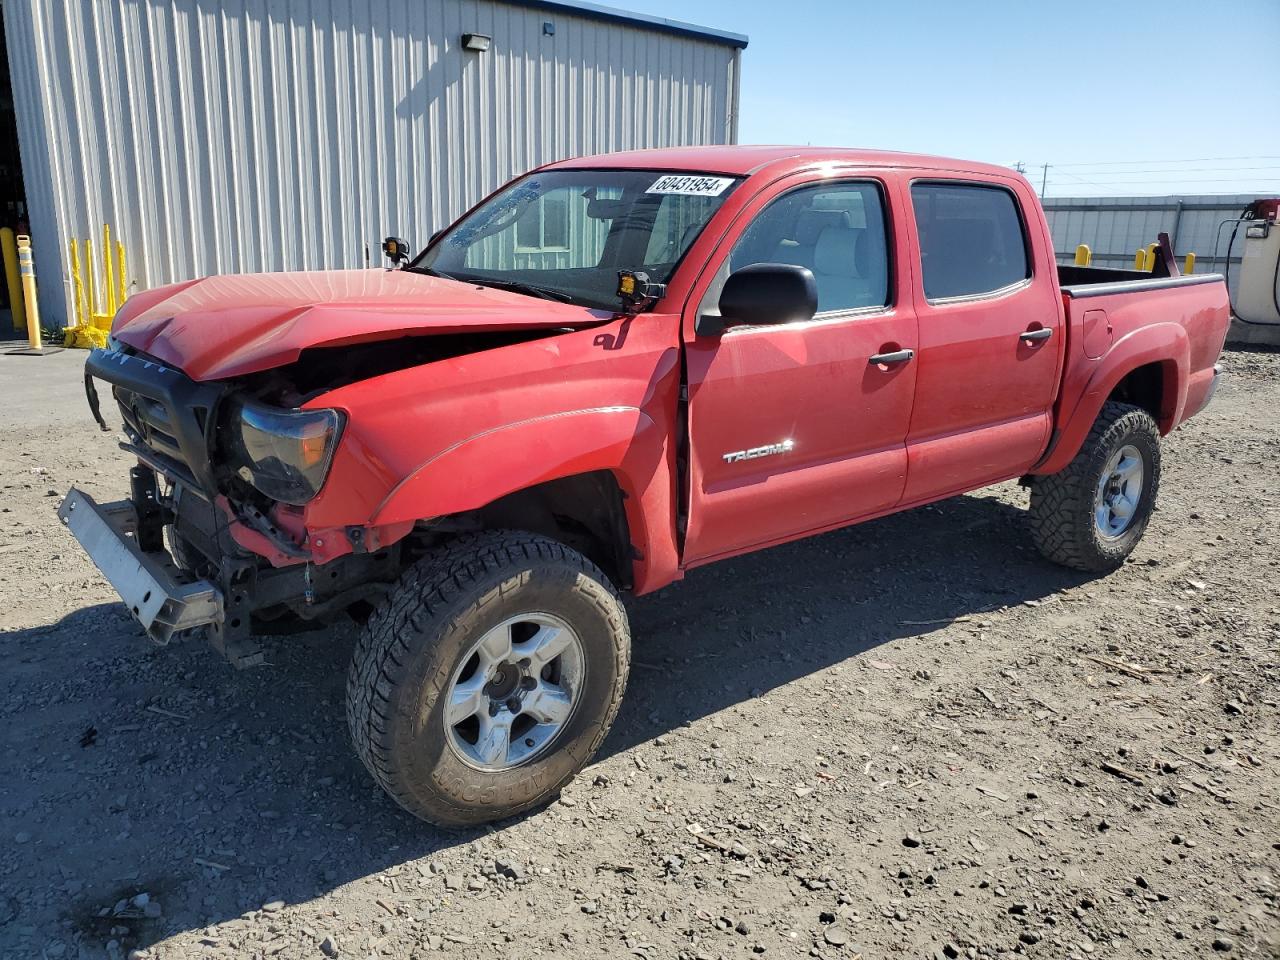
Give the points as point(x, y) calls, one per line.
point(1031, 336)
point(898, 356)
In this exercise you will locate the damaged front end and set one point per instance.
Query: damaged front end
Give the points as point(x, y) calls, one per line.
point(223, 475)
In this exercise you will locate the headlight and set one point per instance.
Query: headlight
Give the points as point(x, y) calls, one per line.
point(285, 454)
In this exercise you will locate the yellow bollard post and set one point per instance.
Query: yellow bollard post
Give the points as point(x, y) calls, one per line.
point(1149, 258)
point(9, 248)
point(124, 288)
point(86, 303)
point(1084, 256)
point(77, 286)
point(1189, 264)
point(108, 274)
point(27, 270)
point(88, 279)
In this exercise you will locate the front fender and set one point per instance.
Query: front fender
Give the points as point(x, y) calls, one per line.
point(502, 460)
point(1164, 343)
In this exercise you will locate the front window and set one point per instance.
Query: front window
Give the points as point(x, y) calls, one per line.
point(565, 234)
point(836, 230)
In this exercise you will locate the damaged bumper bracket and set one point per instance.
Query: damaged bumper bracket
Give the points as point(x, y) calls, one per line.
point(160, 596)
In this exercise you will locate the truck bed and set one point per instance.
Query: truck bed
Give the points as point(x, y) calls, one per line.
point(1079, 282)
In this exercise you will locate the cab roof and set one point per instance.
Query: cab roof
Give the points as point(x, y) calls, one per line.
point(747, 160)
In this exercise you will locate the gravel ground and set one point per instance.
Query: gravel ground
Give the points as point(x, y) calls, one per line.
point(910, 738)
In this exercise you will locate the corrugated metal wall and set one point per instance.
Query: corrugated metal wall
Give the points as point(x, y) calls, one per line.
point(253, 135)
point(1115, 227)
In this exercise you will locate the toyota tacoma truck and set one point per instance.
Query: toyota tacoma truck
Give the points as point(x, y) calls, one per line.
point(609, 372)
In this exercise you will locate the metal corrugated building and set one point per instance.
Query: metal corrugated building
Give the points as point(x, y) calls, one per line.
point(1116, 227)
point(265, 135)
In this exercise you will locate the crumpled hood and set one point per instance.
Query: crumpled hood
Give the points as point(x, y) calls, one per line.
point(228, 326)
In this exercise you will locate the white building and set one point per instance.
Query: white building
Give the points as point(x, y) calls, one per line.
point(270, 135)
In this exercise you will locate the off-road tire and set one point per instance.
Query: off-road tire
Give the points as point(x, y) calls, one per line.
point(411, 647)
point(1062, 505)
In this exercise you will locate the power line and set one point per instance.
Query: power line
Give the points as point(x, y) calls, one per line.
point(1080, 179)
point(1167, 180)
point(1182, 170)
point(1116, 163)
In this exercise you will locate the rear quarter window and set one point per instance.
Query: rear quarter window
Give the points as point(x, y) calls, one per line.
point(971, 239)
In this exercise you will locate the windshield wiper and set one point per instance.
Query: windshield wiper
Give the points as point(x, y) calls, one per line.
point(430, 272)
point(517, 286)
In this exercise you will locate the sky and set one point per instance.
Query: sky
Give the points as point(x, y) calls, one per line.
point(1120, 98)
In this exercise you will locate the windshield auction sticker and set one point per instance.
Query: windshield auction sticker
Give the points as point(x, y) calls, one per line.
point(692, 186)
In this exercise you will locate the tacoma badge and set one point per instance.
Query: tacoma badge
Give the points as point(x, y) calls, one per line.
point(755, 453)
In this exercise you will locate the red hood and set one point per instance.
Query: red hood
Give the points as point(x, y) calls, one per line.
point(232, 325)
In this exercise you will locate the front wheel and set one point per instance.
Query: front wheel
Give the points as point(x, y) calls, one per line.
point(489, 677)
point(1092, 514)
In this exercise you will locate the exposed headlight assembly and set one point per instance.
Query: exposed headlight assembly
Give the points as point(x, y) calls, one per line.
point(285, 454)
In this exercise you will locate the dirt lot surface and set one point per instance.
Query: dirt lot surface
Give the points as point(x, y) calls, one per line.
point(911, 738)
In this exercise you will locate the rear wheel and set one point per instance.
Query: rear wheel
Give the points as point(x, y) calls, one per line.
point(488, 678)
point(1092, 514)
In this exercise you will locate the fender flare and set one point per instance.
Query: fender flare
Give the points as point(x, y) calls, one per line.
point(502, 460)
point(1164, 343)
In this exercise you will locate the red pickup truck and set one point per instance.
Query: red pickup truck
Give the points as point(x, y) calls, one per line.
point(610, 371)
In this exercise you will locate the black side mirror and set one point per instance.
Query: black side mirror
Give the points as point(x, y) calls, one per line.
point(396, 250)
point(765, 293)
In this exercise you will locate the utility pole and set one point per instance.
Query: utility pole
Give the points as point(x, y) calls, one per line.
point(1020, 167)
point(1044, 181)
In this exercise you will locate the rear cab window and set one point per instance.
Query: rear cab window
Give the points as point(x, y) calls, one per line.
point(972, 240)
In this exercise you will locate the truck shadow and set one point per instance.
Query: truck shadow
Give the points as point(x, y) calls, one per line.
point(741, 628)
point(128, 769)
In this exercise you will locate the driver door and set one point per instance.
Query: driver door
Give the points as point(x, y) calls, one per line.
point(793, 427)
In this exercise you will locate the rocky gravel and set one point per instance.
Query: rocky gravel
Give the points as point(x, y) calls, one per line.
point(912, 738)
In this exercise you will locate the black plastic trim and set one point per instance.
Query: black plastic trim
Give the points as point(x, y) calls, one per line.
point(1084, 291)
point(191, 407)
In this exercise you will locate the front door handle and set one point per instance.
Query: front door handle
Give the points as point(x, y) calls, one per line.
point(898, 356)
point(1031, 336)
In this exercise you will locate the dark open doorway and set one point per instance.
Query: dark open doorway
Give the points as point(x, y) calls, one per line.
point(13, 200)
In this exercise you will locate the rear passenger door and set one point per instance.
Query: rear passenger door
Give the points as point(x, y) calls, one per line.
point(990, 338)
point(791, 428)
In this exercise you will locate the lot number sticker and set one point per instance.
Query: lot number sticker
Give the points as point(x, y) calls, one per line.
point(692, 186)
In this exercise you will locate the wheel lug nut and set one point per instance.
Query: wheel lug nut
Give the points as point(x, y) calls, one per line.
point(514, 705)
point(528, 683)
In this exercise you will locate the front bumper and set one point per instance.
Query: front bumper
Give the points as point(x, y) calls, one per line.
point(164, 599)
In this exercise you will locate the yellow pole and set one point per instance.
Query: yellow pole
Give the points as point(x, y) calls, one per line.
point(1149, 260)
point(86, 308)
point(88, 276)
point(1189, 264)
point(28, 271)
point(1139, 259)
point(77, 285)
point(124, 289)
point(1084, 256)
point(9, 247)
point(108, 274)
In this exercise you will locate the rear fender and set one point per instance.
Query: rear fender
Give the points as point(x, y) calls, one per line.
point(487, 466)
point(1164, 343)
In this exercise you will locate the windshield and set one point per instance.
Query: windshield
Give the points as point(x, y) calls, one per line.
point(565, 234)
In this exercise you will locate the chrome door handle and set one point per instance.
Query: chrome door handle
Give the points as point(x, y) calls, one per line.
point(898, 356)
point(1031, 336)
